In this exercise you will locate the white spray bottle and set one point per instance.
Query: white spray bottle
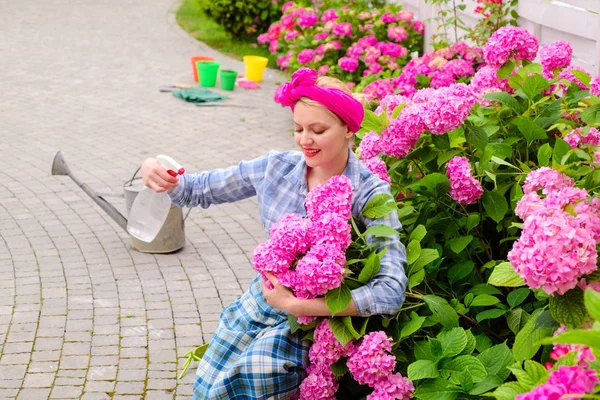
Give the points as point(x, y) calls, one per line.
point(150, 209)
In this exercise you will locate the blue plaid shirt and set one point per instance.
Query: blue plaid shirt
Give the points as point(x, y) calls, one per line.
point(279, 181)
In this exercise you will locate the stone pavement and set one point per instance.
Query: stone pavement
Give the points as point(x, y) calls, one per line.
point(82, 314)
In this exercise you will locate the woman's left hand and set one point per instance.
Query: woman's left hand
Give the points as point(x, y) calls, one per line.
point(279, 297)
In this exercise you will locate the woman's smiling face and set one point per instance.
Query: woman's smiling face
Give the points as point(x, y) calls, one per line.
point(322, 138)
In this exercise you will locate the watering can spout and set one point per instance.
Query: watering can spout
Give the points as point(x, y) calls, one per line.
point(60, 167)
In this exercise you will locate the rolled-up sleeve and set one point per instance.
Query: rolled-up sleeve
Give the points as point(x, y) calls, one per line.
point(385, 292)
point(220, 185)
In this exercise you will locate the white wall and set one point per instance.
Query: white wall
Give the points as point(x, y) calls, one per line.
point(549, 20)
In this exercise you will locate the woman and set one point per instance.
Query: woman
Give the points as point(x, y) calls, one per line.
point(253, 354)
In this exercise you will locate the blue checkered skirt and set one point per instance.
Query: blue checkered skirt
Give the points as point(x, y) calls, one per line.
point(252, 354)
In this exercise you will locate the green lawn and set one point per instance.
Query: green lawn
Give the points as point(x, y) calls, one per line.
point(191, 18)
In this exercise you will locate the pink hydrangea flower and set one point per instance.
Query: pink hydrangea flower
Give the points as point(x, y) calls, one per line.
point(547, 179)
point(378, 167)
point(459, 68)
point(321, 36)
point(323, 69)
point(335, 196)
point(463, 187)
point(348, 64)
point(287, 6)
point(419, 27)
point(575, 137)
point(273, 46)
point(318, 385)
point(485, 81)
point(291, 35)
point(319, 271)
point(397, 33)
point(307, 20)
point(595, 86)
point(510, 42)
point(329, 15)
point(564, 381)
point(389, 103)
point(263, 38)
point(355, 50)
point(371, 361)
point(448, 108)
point(388, 18)
point(392, 387)
point(555, 55)
point(405, 15)
point(378, 89)
point(403, 133)
point(287, 22)
point(334, 44)
point(342, 29)
point(441, 79)
point(392, 49)
point(554, 250)
point(369, 145)
point(306, 56)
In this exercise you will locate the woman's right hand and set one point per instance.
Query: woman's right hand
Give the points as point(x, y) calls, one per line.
point(156, 177)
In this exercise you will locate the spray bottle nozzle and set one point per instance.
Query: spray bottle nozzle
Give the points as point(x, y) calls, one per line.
point(172, 166)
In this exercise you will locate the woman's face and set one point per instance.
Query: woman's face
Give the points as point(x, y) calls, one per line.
point(321, 136)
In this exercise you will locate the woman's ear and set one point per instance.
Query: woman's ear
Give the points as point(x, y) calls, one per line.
point(349, 134)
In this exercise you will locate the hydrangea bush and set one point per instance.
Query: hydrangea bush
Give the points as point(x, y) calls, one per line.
point(496, 181)
point(348, 42)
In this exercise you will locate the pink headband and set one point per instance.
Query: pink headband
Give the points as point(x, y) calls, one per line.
point(335, 100)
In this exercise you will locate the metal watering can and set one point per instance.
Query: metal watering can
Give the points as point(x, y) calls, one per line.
point(170, 238)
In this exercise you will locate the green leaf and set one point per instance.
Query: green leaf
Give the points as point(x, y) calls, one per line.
point(506, 70)
point(342, 333)
point(397, 110)
point(582, 76)
point(440, 307)
point(423, 351)
point(530, 130)
point(472, 221)
point(371, 268)
point(517, 319)
point(416, 278)
point(488, 383)
point(410, 327)
point(581, 337)
point(380, 205)
point(561, 148)
point(526, 341)
point(476, 136)
point(466, 363)
point(505, 99)
point(381, 231)
point(445, 156)
point(591, 115)
point(516, 193)
point(517, 296)
point(471, 343)
point(505, 275)
point(427, 256)
point(460, 243)
point(339, 368)
point(568, 309)
point(437, 389)
point(453, 341)
point(509, 391)
point(483, 288)
point(592, 303)
point(418, 233)
point(490, 314)
point(338, 299)
point(422, 369)
point(264, 14)
point(293, 321)
point(434, 184)
point(496, 359)
point(371, 122)
point(460, 271)
point(482, 342)
point(413, 251)
point(544, 155)
point(495, 204)
point(534, 85)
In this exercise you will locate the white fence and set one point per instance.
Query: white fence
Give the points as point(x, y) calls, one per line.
point(576, 21)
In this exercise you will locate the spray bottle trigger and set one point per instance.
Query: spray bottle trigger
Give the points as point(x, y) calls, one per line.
point(172, 173)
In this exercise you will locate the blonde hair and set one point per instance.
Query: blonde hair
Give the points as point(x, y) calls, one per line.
point(331, 82)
